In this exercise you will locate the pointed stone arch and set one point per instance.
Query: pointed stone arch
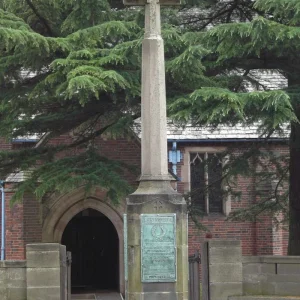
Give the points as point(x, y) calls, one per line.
point(67, 206)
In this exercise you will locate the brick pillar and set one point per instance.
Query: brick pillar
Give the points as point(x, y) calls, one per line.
point(15, 246)
point(46, 272)
point(264, 235)
point(221, 269)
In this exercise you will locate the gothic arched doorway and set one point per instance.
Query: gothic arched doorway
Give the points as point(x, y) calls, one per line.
point(93, 241)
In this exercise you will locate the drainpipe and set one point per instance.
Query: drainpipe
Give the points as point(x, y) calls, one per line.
point(174, 158)
point(2, 220)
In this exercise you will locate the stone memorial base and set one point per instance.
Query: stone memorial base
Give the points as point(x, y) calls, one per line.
point(157, 198)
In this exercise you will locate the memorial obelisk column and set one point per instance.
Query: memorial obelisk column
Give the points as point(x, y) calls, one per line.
point(156, 214)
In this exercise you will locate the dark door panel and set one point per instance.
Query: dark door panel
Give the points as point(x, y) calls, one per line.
point(93, 242)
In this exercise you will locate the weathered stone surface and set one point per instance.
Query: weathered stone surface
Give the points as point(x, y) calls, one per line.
point(13, 264)
point(271, 259)
point(43, 247)
point(277, 275)
point(138, 204)
point(43, 259)
point(218, 243)
point(158, 295)
point(16, 274)
point(283, 278)
point(224, 254)
point(16, 293)
point(289, 268)
point(222, 275)
point(45, 277)
point(43, 293)
point(268, 268)
point(267, 288)
point(155, 194)
point(164, 296)
point(250, 269)
point(225, 272)
point(256, 297)
point(287, 288)
point(13, 280)
point(39, 277)
point(3, 293)
point(221, 291)
point(252, 288)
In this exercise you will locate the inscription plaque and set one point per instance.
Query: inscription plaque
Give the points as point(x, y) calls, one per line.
point(158, 241)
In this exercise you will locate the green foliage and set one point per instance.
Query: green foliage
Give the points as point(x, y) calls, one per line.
point(87, 169)
point(267, 39)
point(74, 67)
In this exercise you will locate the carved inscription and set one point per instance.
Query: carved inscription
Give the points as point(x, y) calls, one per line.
point(158, 205)
point(158, 247)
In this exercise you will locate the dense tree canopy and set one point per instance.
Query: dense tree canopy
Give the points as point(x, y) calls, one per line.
point(74, 66)
point(269, 39)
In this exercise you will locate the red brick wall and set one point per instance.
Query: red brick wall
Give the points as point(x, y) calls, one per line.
point(15, 247)
point(32, 220)
point(257, 238)
point(5, 145)
point(24, 222)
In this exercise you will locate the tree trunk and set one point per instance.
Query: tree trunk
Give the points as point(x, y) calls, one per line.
point(294, 196)
point(294, 168)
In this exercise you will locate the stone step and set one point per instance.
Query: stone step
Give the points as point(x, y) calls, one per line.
point(83, 296)
point(98, 296)
point(259, 297)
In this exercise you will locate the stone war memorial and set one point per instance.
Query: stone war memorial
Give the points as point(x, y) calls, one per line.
point(157, 257)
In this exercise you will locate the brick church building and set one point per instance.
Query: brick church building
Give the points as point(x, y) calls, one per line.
point(92, 228)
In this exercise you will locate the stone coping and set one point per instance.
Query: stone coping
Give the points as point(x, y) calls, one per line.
point(13, 264)
point(271, 259)
point(222, 243)
point(43, 247)
point(262, 297)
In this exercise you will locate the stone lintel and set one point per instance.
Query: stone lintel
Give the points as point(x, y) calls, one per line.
point(223, 243)
point(13, 264)
point(43, 247)
point(269, 259)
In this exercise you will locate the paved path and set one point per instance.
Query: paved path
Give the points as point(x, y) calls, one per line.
point(98, 296)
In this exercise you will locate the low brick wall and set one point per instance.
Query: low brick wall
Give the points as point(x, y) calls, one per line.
point(13, 280)
point(271, 275)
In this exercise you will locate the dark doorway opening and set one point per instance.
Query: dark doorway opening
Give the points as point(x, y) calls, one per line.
point(93, 241)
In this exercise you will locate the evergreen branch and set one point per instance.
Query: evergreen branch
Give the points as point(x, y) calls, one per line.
point(41, 18)
point(233, 7)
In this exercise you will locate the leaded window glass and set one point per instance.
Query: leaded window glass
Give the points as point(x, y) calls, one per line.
point(206, 182)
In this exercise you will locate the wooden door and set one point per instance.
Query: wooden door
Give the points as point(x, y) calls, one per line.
point(93, 242)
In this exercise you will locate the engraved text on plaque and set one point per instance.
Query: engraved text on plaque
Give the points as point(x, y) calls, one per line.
point(158, 247)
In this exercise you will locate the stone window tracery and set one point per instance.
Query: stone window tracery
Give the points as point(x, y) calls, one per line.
point(206, 189)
